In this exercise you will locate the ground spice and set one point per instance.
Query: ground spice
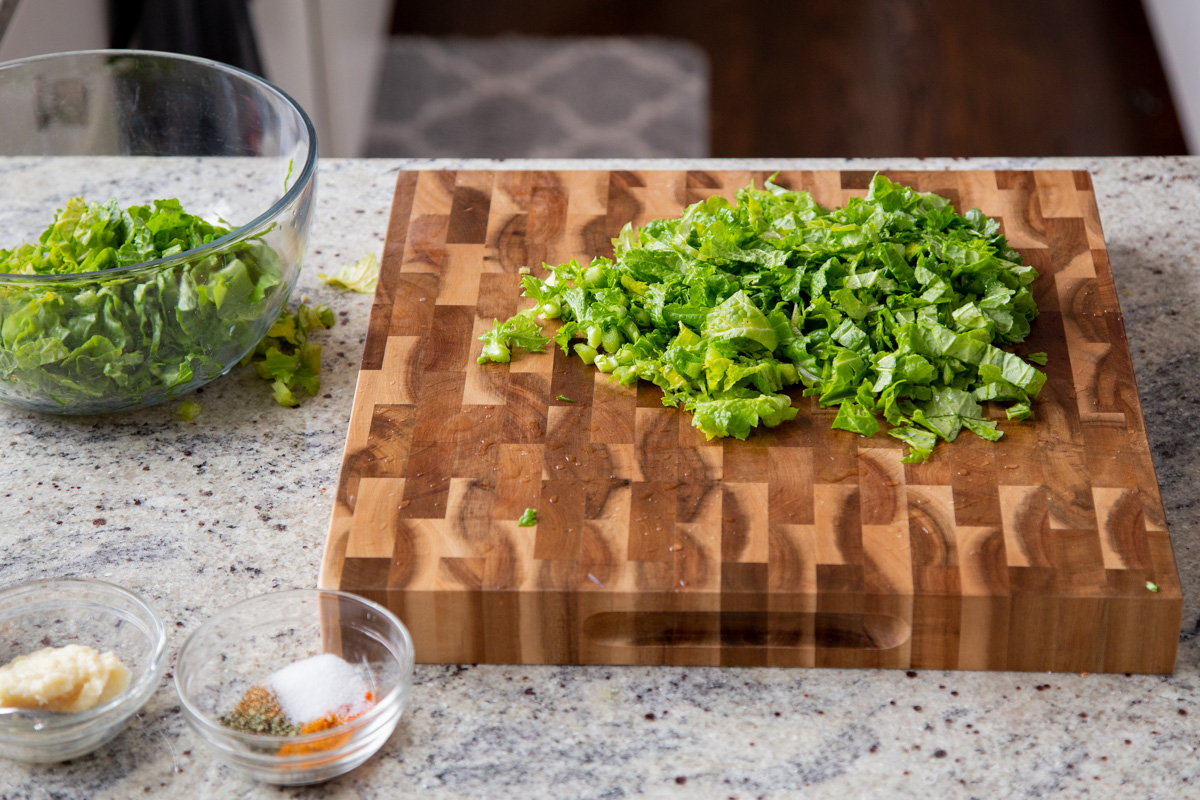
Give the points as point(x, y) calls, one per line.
point(259, 712)
point(334, 719)
point(323, 724)
point(308, 696)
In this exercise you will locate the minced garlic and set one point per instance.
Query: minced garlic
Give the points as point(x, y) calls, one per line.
point(72, 678)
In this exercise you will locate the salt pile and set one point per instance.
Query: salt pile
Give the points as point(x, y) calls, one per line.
point(317, 687)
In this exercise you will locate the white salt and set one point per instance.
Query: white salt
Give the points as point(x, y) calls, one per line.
point(317, 687)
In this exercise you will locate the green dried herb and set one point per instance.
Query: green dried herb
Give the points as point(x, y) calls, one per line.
point(259, 712)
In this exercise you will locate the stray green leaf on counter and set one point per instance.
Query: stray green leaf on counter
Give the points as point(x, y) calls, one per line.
point(565, 399)
point(1152, 586)
point(361, 276)
point(528, 518)
point(894, 306)
point(188, 410)
point(286, 357)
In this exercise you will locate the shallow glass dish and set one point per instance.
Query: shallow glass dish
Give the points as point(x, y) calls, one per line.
point(140, 126)
point(56, 613)
point(242, 645)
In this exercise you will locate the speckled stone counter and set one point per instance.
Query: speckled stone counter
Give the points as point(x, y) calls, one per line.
point(196, 515)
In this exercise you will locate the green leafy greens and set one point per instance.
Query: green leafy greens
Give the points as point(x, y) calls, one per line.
point(361, 276)
point(188, 410)
point(129, 334)
point(893, 306)
point(287, 358)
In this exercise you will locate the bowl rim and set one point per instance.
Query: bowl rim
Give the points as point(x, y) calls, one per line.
point(369, 719)
point(263, 220)
point(139, 691)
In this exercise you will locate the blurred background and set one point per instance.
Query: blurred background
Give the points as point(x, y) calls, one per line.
point(664, 78)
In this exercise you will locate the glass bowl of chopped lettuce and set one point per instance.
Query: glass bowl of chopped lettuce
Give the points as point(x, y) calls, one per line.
point(296, 687)
point(154, 212)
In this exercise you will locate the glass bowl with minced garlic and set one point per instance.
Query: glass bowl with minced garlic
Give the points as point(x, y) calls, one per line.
point(78, 658)
point(296, 687)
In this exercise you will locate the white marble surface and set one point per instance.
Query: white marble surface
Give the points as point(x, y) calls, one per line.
point(197, 515)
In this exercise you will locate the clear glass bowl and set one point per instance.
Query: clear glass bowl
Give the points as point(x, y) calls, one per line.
point(56, 613)
point(242, 645)
point(139, 126)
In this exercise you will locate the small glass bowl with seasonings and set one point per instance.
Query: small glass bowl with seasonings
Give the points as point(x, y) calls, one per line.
point(296, 687)
point(78, 658)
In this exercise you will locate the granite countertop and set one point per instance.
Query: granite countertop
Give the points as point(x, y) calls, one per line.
point(195, 515)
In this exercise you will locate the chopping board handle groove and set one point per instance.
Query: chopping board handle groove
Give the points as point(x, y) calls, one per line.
point(741, 629)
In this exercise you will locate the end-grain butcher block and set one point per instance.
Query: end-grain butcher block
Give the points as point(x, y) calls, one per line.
point(800, 546)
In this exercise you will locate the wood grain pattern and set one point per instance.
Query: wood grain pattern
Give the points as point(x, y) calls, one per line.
point(802, 546)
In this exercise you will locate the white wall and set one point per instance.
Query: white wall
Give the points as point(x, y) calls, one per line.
point(326, 54)
point(53, 26)
point(1176, 26)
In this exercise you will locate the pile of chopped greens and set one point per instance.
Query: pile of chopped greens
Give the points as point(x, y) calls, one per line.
point(133, 336)
point(287, 358)
point(894, 305)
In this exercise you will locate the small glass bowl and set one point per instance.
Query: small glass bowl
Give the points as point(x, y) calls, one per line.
point(56, 613)
point(243, 644)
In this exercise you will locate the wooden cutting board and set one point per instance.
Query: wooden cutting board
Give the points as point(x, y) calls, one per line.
point(801, 546)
